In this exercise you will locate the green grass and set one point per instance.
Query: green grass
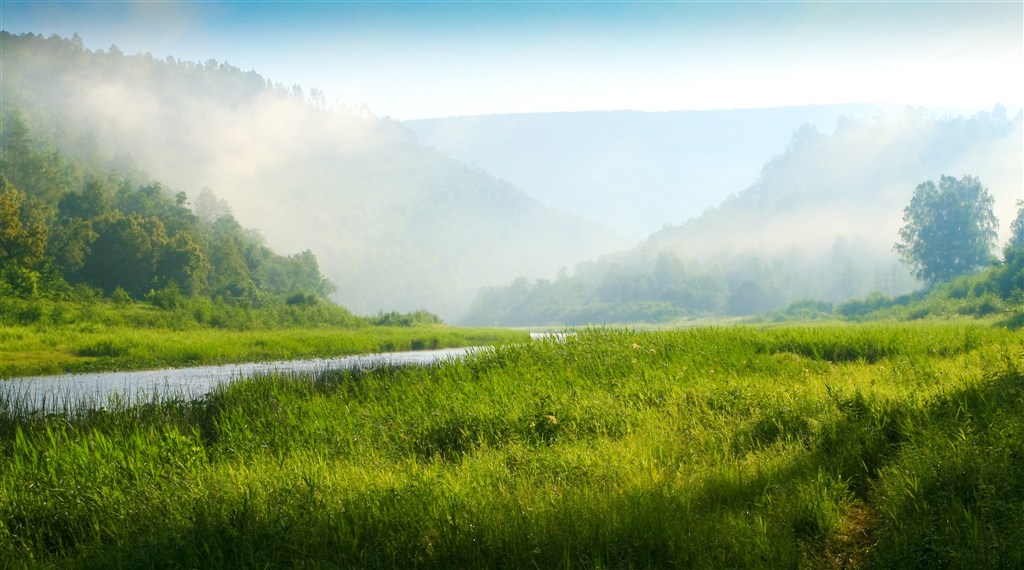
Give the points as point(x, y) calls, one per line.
point(26, 351)
point(45, 336)
point(825, 446)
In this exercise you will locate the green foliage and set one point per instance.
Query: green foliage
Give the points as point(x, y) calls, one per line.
point(120, 297)
point(997, 291)
point(658, 290)
point(856, 308)
point(105, 233)
point(859, 446)
point(23, 238)
point(38, 170)
point(949, 230)
point(125, 253)
point(803, 310)
point(1015, 245)
point(52, 337)
point(302, 299)
point(668, 291)
point(415, 318)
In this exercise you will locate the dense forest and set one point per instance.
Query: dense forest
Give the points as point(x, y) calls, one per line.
point(818, 223)
point(395, 225)
point(72, 225)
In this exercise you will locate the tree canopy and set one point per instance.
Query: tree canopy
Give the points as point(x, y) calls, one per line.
point(61, 226)
point(1016, 231)
point(949, 229)
point(23, 236)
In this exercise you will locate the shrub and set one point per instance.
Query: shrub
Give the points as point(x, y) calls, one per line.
point(302, 299)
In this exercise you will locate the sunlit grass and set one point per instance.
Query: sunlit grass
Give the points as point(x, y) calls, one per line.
point(823, 446)
point(49, 350)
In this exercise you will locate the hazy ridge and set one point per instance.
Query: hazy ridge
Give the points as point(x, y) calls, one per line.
point(819, 221)
point(629, 170)
point(856, 182)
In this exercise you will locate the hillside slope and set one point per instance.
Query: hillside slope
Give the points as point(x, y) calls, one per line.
point(820, 221)
point(395, 225)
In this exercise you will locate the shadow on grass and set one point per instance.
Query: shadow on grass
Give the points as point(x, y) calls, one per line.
point(942, 482)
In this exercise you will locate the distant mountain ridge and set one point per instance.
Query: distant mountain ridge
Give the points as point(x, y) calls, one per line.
point(857, 180)
point(629, 170)
point(395, 225)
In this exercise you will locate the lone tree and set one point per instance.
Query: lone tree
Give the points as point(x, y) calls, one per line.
point(949, 230)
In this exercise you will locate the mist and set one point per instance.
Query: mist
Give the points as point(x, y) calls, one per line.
point(426, 214)
point(629, 170)
point(394, 225)
point(818, 222)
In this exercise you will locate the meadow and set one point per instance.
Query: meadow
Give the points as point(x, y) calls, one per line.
point(41, 336)
point(31, 351)
point(829, 446)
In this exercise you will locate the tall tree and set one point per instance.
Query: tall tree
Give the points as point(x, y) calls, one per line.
point(949, 230)
point(209, 208)
point(23, 238)
point(39, 173)
point(125, 253)
point(1016, 232)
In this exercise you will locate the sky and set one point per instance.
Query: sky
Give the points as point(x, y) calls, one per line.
point(412, 60)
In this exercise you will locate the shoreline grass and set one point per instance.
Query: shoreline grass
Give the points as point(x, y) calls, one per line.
point(33, 351)
point(819, 447)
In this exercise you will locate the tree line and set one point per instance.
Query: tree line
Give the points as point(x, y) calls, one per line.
point(949, 232)
point(817, 224)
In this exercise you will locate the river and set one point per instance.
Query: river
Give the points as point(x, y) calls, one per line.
point(57, 393)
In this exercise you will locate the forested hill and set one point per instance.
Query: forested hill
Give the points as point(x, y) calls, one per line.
point(819, 222)
point(854, 184)
point(394, 225)
point(69, 227)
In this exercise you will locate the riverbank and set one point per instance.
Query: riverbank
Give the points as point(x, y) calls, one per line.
point(828, 446)
point(44, 350)
point(69, 393)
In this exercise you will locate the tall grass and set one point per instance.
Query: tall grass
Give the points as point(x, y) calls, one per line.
point(832, 446)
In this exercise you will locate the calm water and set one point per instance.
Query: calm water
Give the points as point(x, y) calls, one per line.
point(53, 392)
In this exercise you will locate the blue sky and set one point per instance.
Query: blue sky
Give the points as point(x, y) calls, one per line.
point(427, 59)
